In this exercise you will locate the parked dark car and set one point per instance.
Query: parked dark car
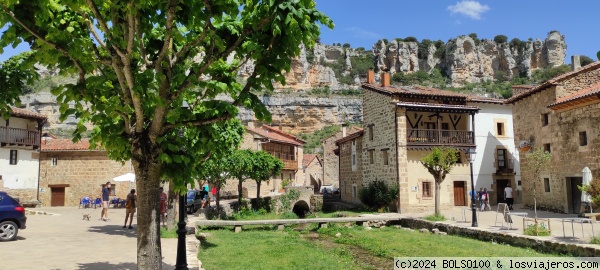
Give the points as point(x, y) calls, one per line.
point(193, 201)
point(12, 217)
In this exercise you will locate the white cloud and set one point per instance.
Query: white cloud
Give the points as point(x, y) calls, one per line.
point(472, 9)
point(362, 33)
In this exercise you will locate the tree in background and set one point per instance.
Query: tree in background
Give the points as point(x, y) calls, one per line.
point(14, 79)
point(500, 39)
point(585, 60)
point(241, 162)
point(137, 64)
point(439, 163)
point(264, 165)
point(536, 162)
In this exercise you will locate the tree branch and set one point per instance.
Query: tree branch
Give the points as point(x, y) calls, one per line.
point(202, 122)
point(168, 35)
point(103, 25)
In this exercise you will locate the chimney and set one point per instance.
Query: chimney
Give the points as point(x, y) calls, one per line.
point(250, 124)
point(343, 130)
point(280, 126)
point(370, 76)
point(575, 62)
point(385, 79)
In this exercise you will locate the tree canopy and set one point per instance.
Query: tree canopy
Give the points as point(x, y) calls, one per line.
point(439, 163)
point(147, 70)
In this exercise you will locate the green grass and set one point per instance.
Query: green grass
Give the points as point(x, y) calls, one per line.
point(595, 240)
point(259, 249)
point(255, 215)
point(542, 230)
point(390, 242)
point(435, 217)
point(164, 233)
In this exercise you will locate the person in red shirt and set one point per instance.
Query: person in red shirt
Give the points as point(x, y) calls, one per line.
point(163, 206)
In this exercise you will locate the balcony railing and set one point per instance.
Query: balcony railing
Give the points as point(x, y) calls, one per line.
point(290, 164)
point(507, 167)
point(439, 137)
point(288, 159)
point(19, 136)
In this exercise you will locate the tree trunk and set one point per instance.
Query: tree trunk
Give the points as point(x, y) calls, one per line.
point(240, 194)
point(258, 190)
point(147, 171)
point(172, 207)
point(218, 201)
point(438, 187)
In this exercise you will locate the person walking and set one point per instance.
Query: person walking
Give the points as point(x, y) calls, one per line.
point(105, 198)
point(130, 208)
point(485, 200)
point(508, 196)
point(163, 205)
point(479, 195)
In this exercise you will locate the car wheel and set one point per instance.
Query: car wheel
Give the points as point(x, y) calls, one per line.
point(8, 231)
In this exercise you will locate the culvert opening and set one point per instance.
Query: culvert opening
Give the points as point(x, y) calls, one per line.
point(301, 208)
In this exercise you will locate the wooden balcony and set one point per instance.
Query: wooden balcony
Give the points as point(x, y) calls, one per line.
point(19, 137)
point(440, 137)
point(289, 163)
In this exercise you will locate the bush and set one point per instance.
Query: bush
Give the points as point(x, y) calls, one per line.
point(361, 65)
point(595, 240)
point(500, 39)
point(411, 39)
point(475, 38)
point(378, 195)
point(542, 230)
point(585, 60)
point(544, 74)
point(435, 217)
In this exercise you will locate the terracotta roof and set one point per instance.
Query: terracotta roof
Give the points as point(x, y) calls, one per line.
point(486, 100)
point(593, 90)
point(276, 135)
point(414, 90)
point(24, 113)
point(307, 159)
point(349, 131)
point(354, 135)
point(66, 145)
point(523, 86)
point(437, 106)
point(554, 81)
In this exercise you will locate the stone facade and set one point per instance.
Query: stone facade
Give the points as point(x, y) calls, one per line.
point(312, 170)
point(561, 131)
point(330, 159)
point(80, 173)
point(351, 173)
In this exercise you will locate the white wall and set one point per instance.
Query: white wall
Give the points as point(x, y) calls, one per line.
point(22, 175)
point(486, 140)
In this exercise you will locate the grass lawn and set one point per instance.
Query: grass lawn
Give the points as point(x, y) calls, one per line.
point(266, 248)
point(254, 215)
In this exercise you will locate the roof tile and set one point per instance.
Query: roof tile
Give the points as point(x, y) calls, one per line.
point(66, 145)
point(276, 135)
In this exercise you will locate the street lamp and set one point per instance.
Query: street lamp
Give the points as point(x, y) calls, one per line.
point(471, 156)
point(181, 262)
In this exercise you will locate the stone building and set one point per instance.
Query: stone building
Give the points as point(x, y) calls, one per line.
point(562, 116)
point(19, 157)
point(70, 171)
point(312, 170)
point(330, 159)
point(350, 166)
point(286, 147)
point(401, 125)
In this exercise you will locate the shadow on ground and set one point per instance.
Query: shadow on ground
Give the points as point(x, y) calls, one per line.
point(120, 266)
point(114, 230)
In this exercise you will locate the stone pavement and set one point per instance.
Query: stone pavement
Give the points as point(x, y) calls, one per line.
point(63, 240)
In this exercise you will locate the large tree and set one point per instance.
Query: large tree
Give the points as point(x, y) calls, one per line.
point(535, 163)
point(439, 163)
point(138, 63)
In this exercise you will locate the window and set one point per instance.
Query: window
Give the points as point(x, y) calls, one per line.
point(426, 190)
point(371, 135)
point(547, 184)
point(13, 157)
point(501, 158)
point(547, 147)
point(500, 129)
point(445, 126)
point(113, 189)
point(353, 190)
point(353, 159)
point(545, 119)
point(371, 157)
point(582, 138)
point(54, 161)
point(385, 157)
point(430, 125)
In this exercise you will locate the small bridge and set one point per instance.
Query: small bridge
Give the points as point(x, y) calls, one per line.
point(303, 204)
point(237, 224)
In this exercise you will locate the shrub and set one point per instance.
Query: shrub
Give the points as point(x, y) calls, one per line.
point(435, 217)
point(542, 230)
point(500, 39)
point(361, 65)
point(411, 39)
point(585, 60)
point(595, 240)
point(518, 44)
point(544, 74)
point(346, 45)
point(378, 195)
point(475, 38)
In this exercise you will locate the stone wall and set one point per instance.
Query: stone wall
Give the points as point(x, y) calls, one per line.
point(379, 118)
point(562, 134)
point(331, 161)
point(84, 172)
point(313, 171)
point(351, 180)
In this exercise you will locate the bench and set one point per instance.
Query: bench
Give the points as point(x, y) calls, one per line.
point(237, 224)
point(592, 216)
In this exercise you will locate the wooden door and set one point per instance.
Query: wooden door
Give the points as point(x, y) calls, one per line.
point(57, 196)
point(459, 193)
point(574, 194)
point(500, 185)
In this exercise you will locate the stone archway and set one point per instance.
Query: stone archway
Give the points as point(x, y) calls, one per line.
point(301, 208)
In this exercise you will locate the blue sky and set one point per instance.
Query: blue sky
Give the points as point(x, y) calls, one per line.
point(362, 22)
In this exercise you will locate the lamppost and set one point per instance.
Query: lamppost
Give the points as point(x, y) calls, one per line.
point(181, 262)
point(471, 156)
